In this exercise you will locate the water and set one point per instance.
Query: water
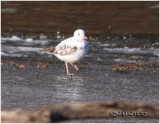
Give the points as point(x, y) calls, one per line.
point(98, 17)
point(101, 50)
point(113, 34)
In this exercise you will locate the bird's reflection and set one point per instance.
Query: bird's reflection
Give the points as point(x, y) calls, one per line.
point(71, 88)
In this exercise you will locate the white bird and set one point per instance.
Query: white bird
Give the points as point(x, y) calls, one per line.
point(71, 50)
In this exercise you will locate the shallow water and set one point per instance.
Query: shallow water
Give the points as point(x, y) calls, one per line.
point(100, 50)
point(113, 34)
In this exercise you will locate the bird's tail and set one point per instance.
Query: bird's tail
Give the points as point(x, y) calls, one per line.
point(50, 50)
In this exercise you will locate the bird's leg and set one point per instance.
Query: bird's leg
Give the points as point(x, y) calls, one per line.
point(74, 66)
point(68, 69)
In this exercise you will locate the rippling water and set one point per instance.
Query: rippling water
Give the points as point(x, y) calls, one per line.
point(101, 50)
point(114, 35)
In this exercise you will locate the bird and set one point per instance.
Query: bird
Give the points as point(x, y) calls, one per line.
point(71, 50)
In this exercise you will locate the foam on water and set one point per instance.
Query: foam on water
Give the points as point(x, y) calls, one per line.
point(23, 41)
point(124, 60)
point(12, 49)
point(105, 45)
point(126, 50)
point(19, 47)
point(13, 38)
point(13, 55)
point(3, 54)
point(29, 40)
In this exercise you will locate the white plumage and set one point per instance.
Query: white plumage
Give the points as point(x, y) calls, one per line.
point(72, 49)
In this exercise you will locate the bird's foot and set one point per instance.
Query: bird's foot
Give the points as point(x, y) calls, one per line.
point(74, 66)
point(70, 74)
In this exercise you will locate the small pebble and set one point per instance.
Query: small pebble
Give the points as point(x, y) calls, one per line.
point(21, 67)
point(44, 67)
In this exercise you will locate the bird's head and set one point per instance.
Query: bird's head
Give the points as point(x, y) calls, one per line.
point(79, 35)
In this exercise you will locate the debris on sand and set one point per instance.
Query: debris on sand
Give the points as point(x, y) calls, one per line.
point(21, 67)
point(12, 63)
point(1, 63)
point(44, 66)
point(123, 67)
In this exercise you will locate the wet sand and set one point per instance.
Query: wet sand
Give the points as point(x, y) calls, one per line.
point(34, 87)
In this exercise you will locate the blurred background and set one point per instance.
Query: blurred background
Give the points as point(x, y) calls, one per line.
point(97, 18)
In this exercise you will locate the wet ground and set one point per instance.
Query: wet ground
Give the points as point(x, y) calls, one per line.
point(31, 79)
point(119, 66)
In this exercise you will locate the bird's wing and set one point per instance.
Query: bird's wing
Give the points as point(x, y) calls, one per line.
point(66, 47)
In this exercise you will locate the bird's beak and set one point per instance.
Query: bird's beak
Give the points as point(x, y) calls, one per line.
point(85, 37)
